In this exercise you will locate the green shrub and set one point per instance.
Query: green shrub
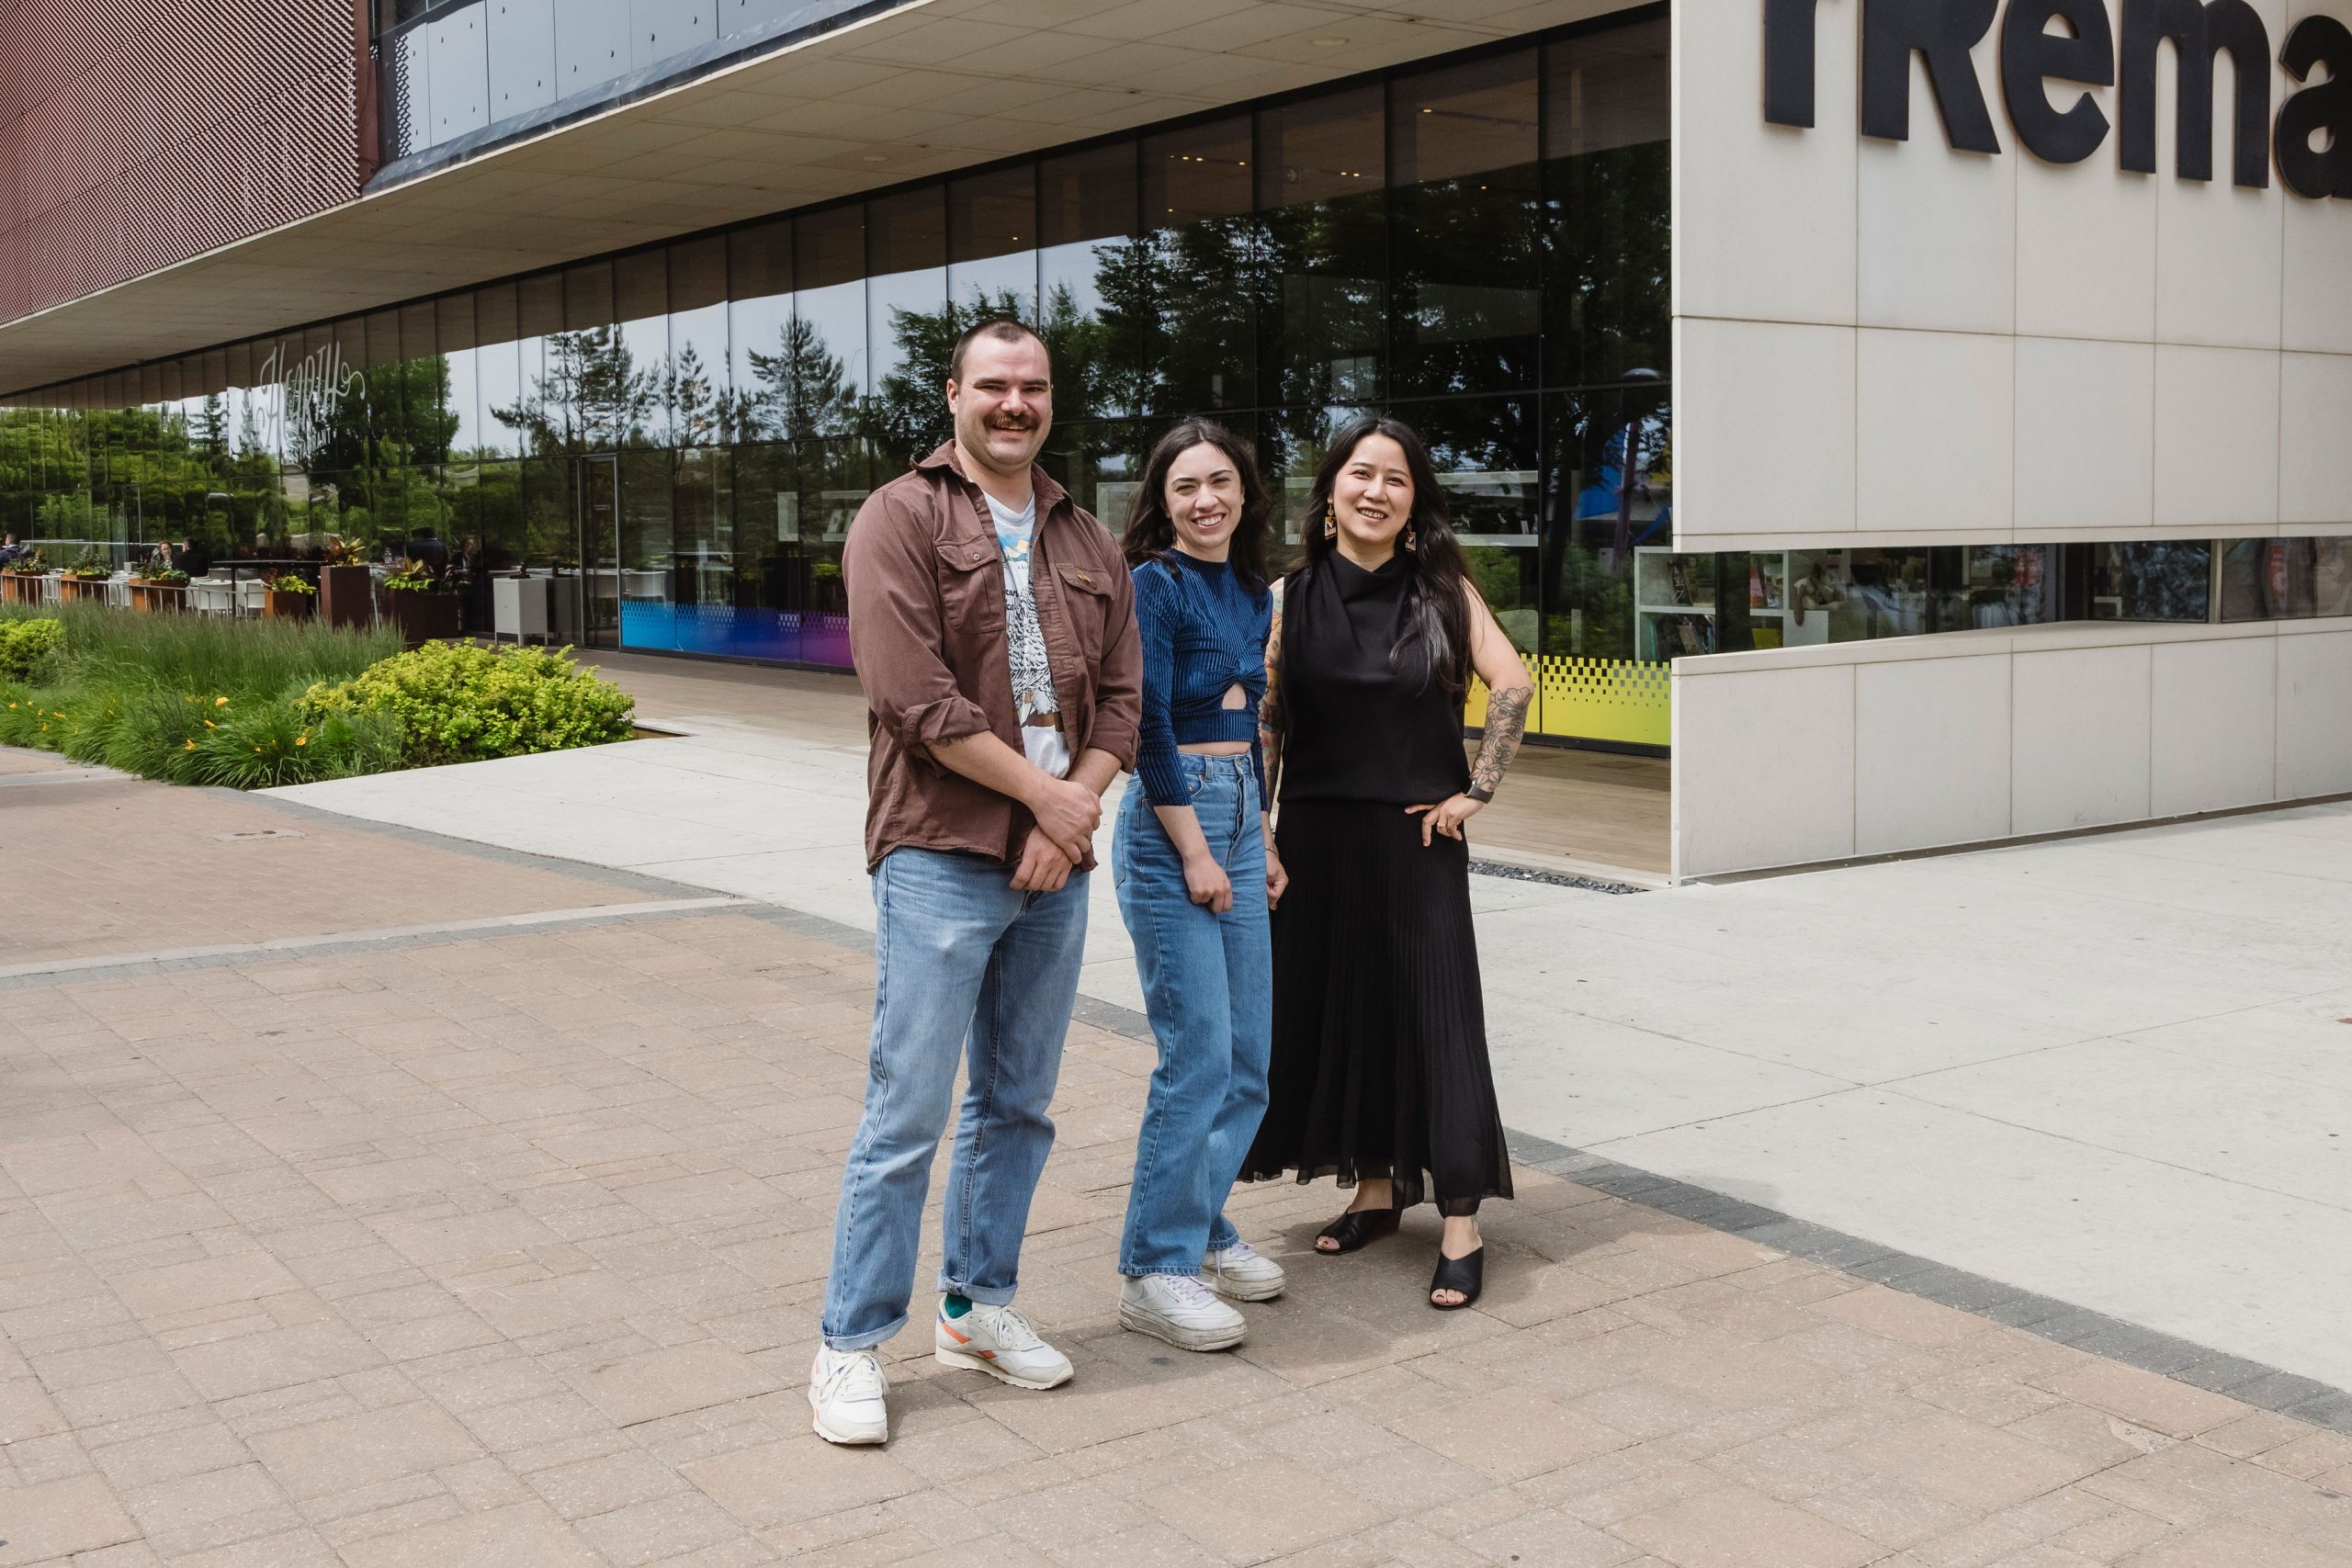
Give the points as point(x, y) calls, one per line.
point(266, 744)
point(457, 702)
point(31, 649)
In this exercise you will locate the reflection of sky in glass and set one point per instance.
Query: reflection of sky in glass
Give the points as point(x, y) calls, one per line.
point(921, 291)
point(989, 279)
point(757, 326)
point(1075, 267)
point(465, 400)
point(694, 417)
point(498, 373)
point(648, 341)
point(838, 315)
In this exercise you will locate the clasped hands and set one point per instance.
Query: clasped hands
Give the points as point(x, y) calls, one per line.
point(1067, 814)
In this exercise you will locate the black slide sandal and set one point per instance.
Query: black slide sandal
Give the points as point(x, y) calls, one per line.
point(1356, 1229)
point(1467, 1275)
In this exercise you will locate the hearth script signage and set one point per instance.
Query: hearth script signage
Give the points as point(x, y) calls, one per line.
point(2313, 131)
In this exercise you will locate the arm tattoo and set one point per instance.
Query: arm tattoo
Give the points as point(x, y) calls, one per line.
point(1506, 724)
point(1270, 708)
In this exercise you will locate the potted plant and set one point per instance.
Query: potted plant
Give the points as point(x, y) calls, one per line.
point(415, 602)
point(85, 578)
point(289, 598)
point(344, 596)
point(20, 579)
point(159, 587)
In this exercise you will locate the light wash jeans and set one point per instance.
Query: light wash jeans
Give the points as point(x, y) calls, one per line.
point(1208, 986)
point(958, 955)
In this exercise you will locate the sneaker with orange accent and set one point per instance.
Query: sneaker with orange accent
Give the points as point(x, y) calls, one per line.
point(998, 1341)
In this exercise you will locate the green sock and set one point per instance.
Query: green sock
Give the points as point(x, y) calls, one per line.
point(957, 1305)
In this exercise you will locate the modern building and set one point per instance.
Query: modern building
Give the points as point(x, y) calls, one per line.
point(1928, 419)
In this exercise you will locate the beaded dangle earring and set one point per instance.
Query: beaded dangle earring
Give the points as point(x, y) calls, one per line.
point(1412, 540)
point(1330, 522)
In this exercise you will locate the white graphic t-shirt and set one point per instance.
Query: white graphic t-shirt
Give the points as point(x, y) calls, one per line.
point(1033, 677)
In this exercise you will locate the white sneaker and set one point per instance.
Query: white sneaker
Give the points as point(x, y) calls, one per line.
point(1180, 1310)
point(998, 1341)
point(847, 1390)
point(1238, 1273)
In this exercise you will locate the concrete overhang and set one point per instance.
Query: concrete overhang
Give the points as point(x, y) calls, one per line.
point(930, 86)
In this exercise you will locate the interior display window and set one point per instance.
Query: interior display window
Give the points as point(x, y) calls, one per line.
point(2269, 579)
point(2163, 581)
point(2332, 577)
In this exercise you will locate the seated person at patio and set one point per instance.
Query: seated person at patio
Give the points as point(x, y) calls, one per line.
point(426, 550)
point(9, 548)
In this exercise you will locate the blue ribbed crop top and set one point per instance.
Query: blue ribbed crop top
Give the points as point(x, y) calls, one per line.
point(1204, 630)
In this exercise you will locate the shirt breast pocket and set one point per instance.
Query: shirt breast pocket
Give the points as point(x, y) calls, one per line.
point(1086, 596)
point(970, 594)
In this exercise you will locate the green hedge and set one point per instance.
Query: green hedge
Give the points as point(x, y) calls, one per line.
point(252, 705)
point(458, 703)
point(29, 649)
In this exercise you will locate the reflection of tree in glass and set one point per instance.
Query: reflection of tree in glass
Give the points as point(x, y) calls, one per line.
point(804, 390)
point(696, 408)
point(591, 397)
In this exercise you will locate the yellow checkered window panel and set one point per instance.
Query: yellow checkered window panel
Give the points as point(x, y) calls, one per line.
point(1593, 699)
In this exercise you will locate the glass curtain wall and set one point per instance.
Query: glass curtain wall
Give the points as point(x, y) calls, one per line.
point(677, 438)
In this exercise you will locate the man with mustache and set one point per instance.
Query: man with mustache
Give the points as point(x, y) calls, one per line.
point(991, 621)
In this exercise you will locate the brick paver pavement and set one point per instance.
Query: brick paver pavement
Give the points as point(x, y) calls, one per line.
point(506, 1251)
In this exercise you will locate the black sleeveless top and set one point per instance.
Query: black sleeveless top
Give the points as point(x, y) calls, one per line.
point(1356, 729)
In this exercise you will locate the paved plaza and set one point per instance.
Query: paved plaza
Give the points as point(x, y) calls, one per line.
point(375, 1195)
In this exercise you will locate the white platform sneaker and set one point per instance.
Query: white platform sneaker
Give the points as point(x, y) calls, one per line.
point(998, 1341)
point(1239, 1274)
point(1180, 1310)
point(848, 1391)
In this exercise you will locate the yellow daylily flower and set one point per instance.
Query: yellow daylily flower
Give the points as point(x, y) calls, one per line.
point(302, 740)
point(220, 702)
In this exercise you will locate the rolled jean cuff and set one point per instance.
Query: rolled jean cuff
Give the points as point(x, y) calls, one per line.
point(1230, 1237)
point(981, 1293)
point(863, 1341)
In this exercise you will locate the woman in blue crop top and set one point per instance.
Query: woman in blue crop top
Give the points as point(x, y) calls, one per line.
point(1196, 875)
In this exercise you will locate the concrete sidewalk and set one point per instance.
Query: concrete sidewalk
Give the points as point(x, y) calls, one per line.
point(2106, 1070)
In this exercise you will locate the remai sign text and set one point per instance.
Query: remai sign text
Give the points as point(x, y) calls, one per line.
point(2049, 46)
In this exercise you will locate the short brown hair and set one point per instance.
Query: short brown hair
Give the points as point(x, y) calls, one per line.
point(1005, 329)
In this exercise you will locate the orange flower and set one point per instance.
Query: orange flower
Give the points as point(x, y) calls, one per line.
point(210, 724)
point(302, 740)
point(220, 702)
point(191, 745)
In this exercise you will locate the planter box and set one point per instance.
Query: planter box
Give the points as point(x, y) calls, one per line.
point(421, 618)
point(286, 606)
point(19, 588)
point(158, 596)
point(93, 589)
point(346, 596)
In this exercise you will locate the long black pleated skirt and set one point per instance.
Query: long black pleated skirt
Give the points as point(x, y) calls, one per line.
point(1379, 1065)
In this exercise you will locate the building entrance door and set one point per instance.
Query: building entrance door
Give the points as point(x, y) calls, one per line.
point(596, 513)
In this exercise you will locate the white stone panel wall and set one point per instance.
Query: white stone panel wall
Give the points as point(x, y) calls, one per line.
point(2173, 357)
point(1797, 756)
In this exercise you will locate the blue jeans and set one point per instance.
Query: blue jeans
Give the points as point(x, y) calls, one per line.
point(1208, 986)
point(958, 956)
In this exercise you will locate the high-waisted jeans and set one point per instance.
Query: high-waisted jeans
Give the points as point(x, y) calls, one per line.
point(958, 956)
point(1208, 986)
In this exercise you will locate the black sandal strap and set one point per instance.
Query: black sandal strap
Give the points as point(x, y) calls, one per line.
point(1360, 1227)
point(1467, 1275)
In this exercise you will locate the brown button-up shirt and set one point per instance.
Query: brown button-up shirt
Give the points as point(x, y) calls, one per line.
point(927, 633)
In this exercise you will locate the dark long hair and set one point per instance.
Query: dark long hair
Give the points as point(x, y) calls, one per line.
point(1151, 534)
point(1435, 643)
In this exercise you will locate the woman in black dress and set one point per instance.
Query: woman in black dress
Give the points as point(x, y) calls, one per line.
point(1379, 1073)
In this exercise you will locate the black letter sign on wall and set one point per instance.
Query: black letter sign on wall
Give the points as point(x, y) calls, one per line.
point(2322, 107)
point(2030, 55)
point(2199, 34)
point(1789, 62)
point(1943, 30)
